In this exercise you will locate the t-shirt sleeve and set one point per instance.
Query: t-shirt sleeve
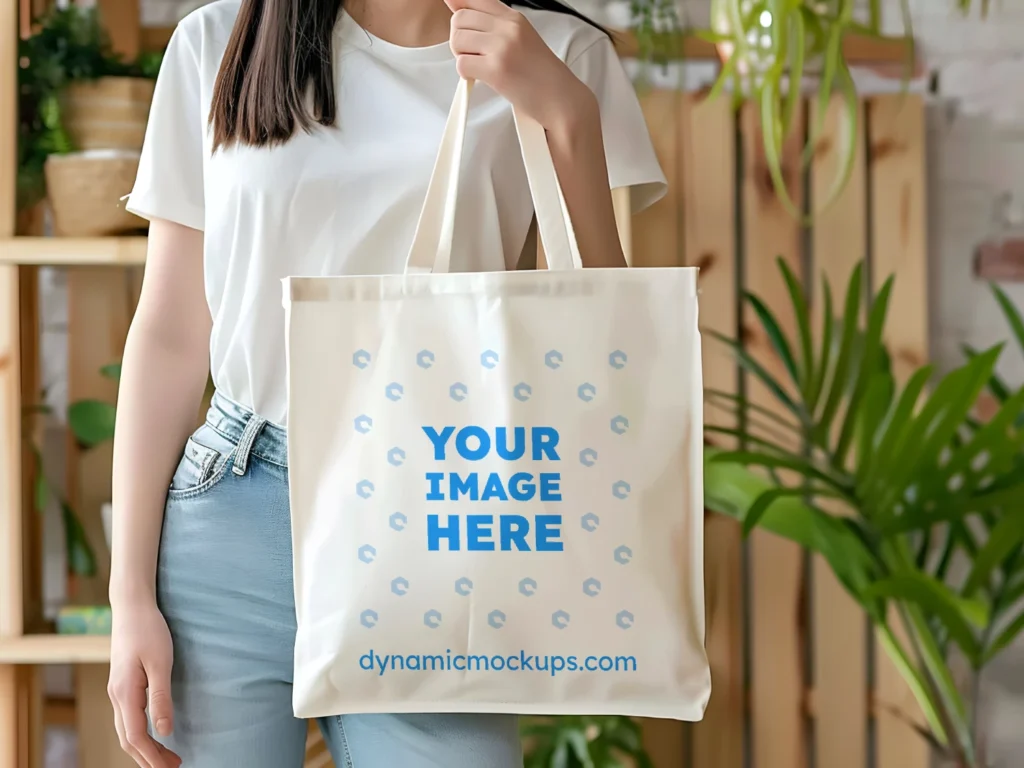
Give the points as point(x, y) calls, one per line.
point(169, 184)
point(627, 142)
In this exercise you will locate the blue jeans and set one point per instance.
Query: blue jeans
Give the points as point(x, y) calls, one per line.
point(224, 584)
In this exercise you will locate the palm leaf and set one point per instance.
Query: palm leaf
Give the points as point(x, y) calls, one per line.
point(775, 337)
point(851, 313)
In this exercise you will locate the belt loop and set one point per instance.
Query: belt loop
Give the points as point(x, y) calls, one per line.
point(243, 450)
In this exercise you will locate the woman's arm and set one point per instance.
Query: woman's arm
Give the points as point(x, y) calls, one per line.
point(577, 149)
point(498, 46)
point(163, 376)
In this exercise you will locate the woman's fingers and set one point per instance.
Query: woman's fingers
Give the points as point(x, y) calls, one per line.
point(492, 7)
point(472, 42)
point(161, 710)
point(133, 712)
point(122, 738)
point(472, 19)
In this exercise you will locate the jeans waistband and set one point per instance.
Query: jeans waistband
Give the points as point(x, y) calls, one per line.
point(252, 434)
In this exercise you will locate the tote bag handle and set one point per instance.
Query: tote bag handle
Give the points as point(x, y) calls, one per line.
point(432, 244)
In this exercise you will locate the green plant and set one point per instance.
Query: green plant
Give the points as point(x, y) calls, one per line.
point(69, 45)
point(917, 506)
point(581, 741)
point(768, 49)
point(81, 557)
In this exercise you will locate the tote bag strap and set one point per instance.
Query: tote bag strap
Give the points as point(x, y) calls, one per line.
point(432, 244)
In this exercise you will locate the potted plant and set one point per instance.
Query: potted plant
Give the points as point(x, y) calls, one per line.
point(919, 484)
point(582, 741)
point(770, 51)
point(70, 84)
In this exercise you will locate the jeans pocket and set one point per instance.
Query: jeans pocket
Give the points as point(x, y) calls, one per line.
point(203, 464)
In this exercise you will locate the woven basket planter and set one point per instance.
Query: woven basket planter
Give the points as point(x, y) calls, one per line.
point(85, 191)
point(109, 113)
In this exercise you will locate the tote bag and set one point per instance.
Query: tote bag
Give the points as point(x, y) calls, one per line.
point(496, 478)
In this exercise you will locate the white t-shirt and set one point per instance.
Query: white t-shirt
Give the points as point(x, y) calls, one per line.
point(346, 199)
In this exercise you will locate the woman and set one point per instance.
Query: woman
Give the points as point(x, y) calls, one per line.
point(296, 137)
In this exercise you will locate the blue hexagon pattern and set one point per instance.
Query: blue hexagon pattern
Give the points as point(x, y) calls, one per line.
point(553, 359)
point(425, 359)
point(522, 391)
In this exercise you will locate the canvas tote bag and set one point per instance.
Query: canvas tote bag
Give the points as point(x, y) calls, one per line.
point(496, 490)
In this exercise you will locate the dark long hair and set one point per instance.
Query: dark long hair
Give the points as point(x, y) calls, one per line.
point(280, 51)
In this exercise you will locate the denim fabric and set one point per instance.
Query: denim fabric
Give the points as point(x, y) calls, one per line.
point(224, 584)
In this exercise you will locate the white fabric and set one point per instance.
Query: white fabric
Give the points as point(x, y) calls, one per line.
point(344, 201)
point(566, 406)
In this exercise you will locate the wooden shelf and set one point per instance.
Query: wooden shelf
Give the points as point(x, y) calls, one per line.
point(858, 50)
point(55, 649)
point(73, 251)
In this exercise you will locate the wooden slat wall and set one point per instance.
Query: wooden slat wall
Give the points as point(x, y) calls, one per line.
point(776, 566)
point(802, 696)
point(708, 167)
point(896, 131)
point(839, 238)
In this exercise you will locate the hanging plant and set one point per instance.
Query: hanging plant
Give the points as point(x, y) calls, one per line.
point(769, 49)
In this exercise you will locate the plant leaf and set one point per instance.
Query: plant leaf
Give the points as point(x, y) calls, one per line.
point(869, 356)
point(825, 357)
point(1012, 314)
point(1005, 638)
point(775, 336)
point(112, 371)
point(778, 461)
point(81, 559)
point(915, 681)
point(750, 364)
point(957, 614)
point(91, 421)
point(851, 315)
point(578, 742)
point(1000, 391)
point(1006, 536)
point(769, 497)
point(801, 313)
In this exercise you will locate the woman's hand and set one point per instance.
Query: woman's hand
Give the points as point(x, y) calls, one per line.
point(140, 674)
point(496, 45)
